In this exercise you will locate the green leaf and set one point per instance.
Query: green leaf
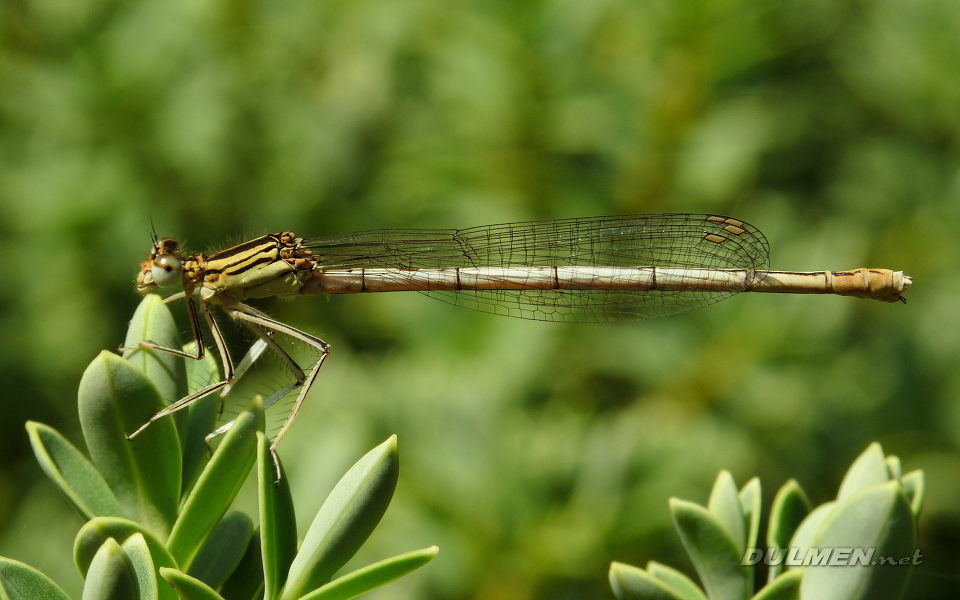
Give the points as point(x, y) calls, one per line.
point(347, 517)
point(77, 478)
point(806, 533)
point(278, 522)
point(373, 576)
point(750, 504)
point(681, 584)
point(869, 469)
point(111, 576)
point(115, 398)
point(790, 507)
point(153, 322)
point(187, 587)
point(633, 583)
point(218, 485)
point(784, 587)
point(97, 531)
point(201, 417)
point(22, 582)
point(712, 551)
point(222, 551)
point(879, 518)
point(135, 547)
point(912, 484)
point(894, 469)
point(724, 505)
point(246, 581)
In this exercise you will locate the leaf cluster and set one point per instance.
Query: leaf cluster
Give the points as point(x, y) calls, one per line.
point(876, 510)
point(158, 510)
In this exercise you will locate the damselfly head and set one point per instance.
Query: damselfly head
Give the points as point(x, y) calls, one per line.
point(163, 268)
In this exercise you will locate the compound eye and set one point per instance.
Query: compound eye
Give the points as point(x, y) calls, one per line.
point(165, 270)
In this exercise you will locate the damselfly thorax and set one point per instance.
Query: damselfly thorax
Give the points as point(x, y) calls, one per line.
point(271, 265)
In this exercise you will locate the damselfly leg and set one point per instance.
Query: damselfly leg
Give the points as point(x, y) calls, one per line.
point(228, 375)
point(256, 320)
point(264, 328)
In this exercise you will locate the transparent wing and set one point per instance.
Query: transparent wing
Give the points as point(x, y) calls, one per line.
point(655, 240)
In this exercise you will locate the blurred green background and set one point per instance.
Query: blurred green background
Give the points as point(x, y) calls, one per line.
point(532, 453)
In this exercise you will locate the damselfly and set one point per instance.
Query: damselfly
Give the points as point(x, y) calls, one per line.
point(595, 269)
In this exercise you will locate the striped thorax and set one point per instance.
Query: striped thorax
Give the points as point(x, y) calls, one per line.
point(271, 265)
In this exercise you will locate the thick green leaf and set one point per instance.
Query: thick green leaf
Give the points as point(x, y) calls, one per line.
point(373, 576)
point(806, 534)
point(278, 522)
point(680, 583)
point(784, 587)
point(111, 576)
point(221, 552)
point(153, 322)
point(714, 554)
point(633, 583)
point(77, 478)
point(347, 517)
point(115, 398)
point(218, 485)
point(724, 505)
point(201, 417)
point(894, 469)
point(750, 504)
point(22, 582)
point(868, 470)
point(187, 587)
point(912, 484)
point(135, 547)
point(246, 581)
point(97, 531)
point(876, 518)
point(790, 507)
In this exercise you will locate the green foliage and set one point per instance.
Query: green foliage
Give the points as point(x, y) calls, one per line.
point(144, 473)
point(112, 576)
point(18, 580)
point(874, 511)
point(142, 534)
point(217, 487)
point(80, 482)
